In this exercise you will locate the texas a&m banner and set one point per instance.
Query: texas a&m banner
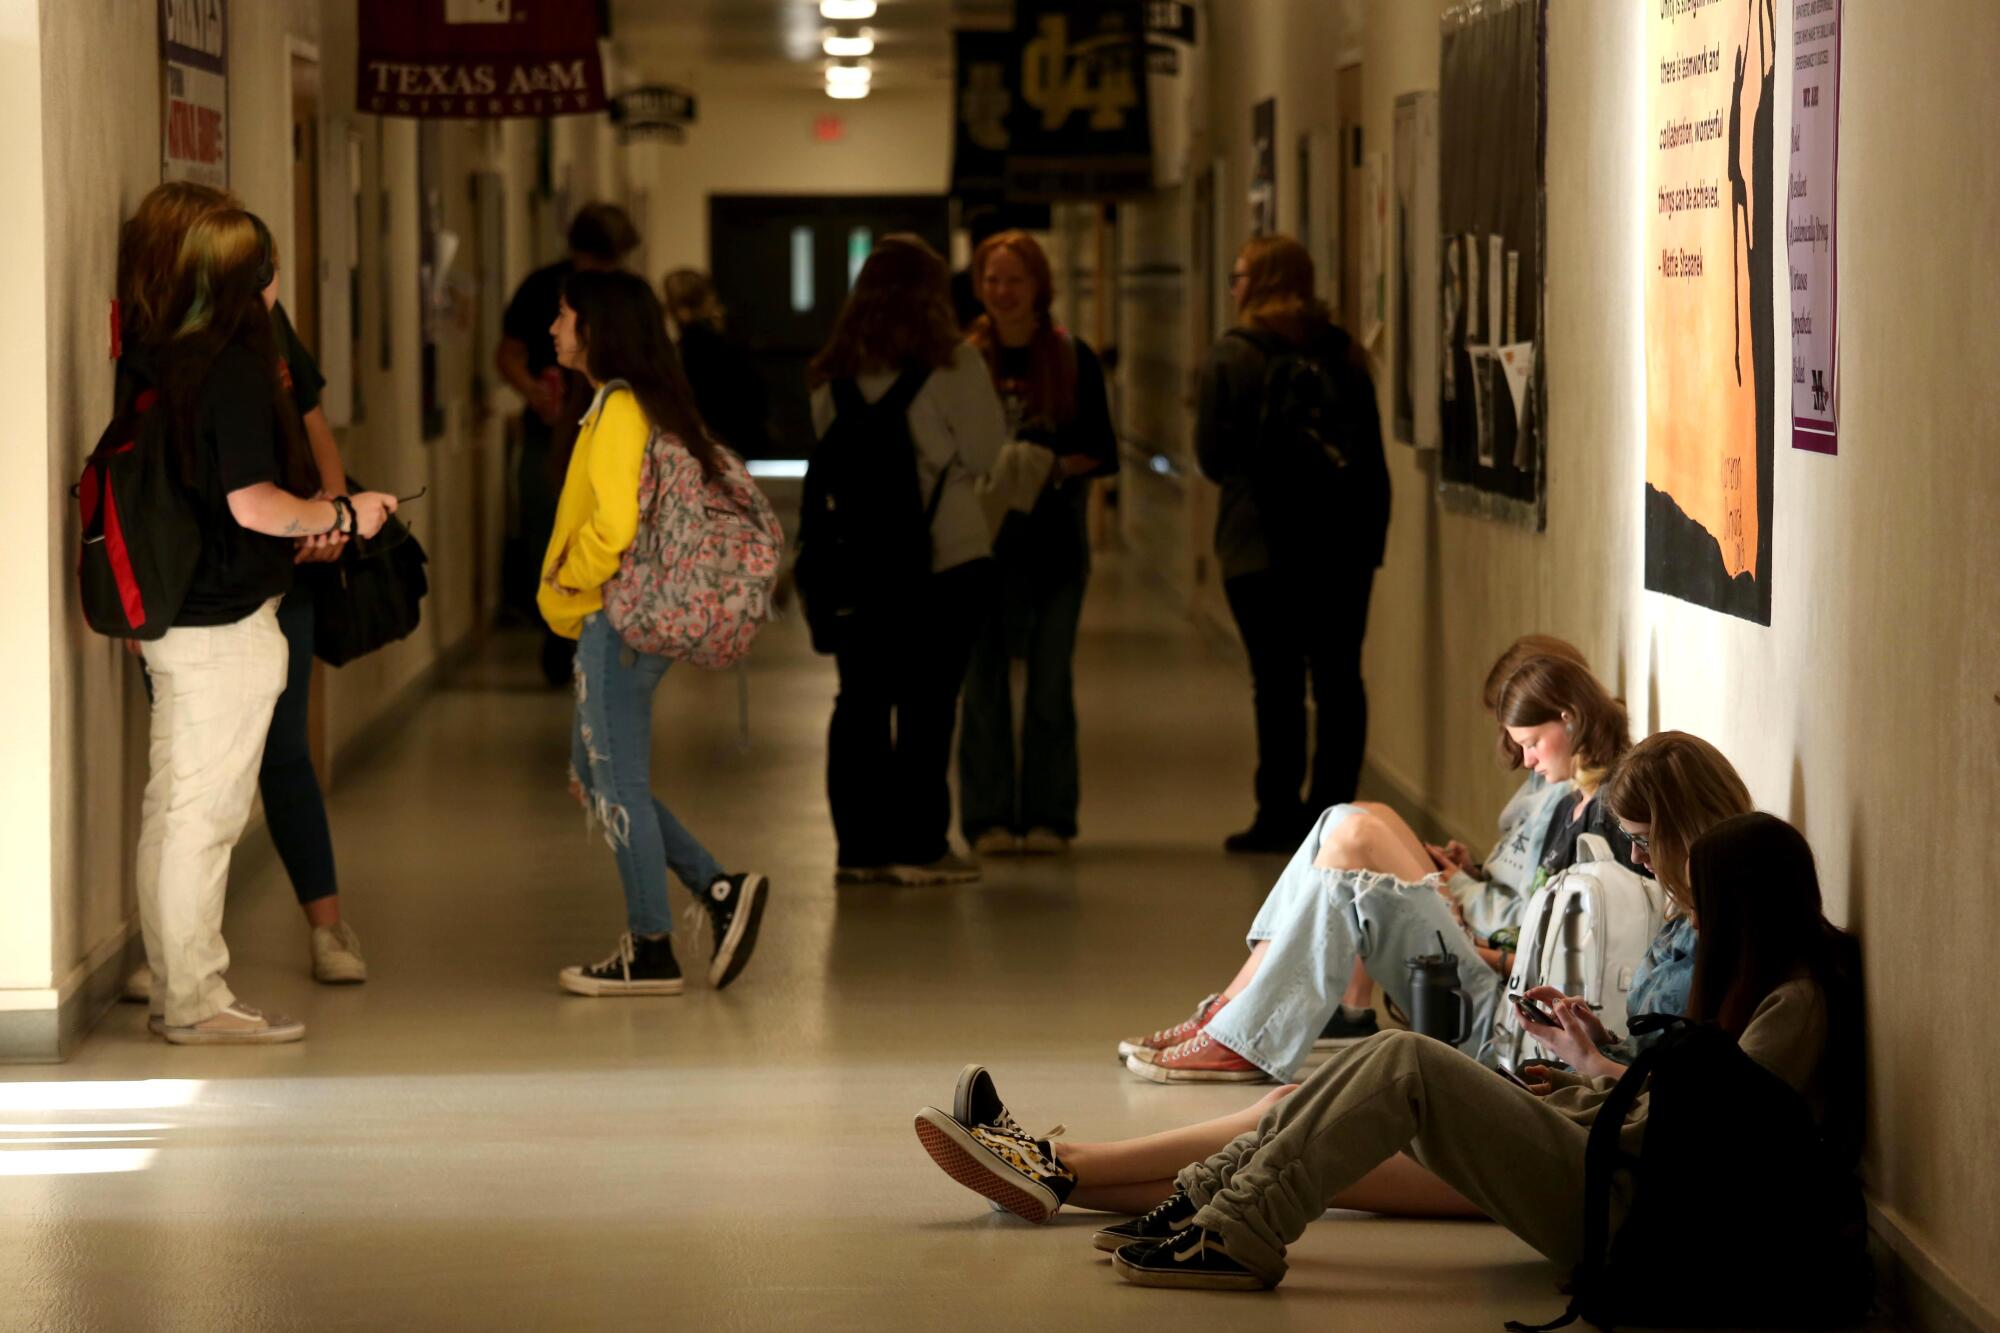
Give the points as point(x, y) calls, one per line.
point(479, 59)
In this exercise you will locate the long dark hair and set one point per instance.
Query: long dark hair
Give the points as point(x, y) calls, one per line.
point(899, 314)
point(226, 261)
point(624, 337)
point(1760, 922)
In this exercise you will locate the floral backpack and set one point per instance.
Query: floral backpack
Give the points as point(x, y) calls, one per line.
point(696, 583)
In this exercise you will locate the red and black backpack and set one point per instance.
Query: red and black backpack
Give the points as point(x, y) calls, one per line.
point(140, 535)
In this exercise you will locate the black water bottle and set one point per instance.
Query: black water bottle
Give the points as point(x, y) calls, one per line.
point(1438, 1007)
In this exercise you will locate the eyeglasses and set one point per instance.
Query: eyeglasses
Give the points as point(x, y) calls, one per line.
point(1239, 276)
point(1641, 841)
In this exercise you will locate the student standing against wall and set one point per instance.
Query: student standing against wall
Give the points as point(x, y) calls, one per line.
point(895, 370)
point(243, 459)
point(1288, 428)
point(1052, 387)
point(294, 806)
point(732, 397)
point(600, 237)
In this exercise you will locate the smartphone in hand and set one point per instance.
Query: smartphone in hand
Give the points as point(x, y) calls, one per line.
point(1534, 1012)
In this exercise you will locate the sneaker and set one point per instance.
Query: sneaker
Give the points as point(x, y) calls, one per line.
point(1043, 842)
point(735, 906)
point(1145, 1047)
point(977, 1102)
point(950, 868)
point(156, 1023)
point(1261, 838)
point(1164, 1223)
point(1019, 1173)
point(845, 875)
point(336, 955)
point(996, 842)
point(236, 1025)
point(1341, 1031)
point(1199, 1059)
point(636, 967)
point(1196, 1259)
point(138, 986)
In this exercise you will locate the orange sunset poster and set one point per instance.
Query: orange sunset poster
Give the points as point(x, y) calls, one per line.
point(1710, 341)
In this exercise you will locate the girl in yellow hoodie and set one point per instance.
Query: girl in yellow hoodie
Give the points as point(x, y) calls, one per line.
point(611, 329)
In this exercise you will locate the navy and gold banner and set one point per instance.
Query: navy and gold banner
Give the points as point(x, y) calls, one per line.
point(1054, 108)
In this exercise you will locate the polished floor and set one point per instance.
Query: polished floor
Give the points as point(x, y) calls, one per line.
point(459, 1145)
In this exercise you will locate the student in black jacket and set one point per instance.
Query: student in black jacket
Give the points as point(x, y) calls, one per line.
point(1298, 561)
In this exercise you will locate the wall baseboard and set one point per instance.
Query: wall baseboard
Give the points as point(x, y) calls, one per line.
point(1916, 1290)
point(48, 1036)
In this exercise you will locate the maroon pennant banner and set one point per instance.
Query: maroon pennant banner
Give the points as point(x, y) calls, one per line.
point(479, 59)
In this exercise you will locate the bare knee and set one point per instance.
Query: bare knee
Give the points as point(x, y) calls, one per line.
point(1355, 843)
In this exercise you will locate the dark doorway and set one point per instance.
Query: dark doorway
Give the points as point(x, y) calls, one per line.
point(782, 265)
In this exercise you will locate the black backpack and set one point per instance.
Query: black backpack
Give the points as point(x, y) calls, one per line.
point(141, 538)
point(864, 526)
point(1321, 488)
point(1745, 1212)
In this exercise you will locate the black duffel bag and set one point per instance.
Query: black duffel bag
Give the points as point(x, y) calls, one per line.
point(369, 597)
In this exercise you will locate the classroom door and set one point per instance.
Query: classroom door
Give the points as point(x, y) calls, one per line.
point(783, 264)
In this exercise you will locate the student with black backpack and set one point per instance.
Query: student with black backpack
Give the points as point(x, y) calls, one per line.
point(239, 453)
point(895, 564)
point(1712, 1183)
point(1288, 428)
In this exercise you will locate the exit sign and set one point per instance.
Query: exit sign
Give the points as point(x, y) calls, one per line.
point(829, 129)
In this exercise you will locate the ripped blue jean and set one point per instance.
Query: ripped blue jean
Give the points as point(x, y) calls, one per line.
point(611, 759)
point(1318, 922)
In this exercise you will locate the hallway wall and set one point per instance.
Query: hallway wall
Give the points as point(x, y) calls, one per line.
point(1867, 711)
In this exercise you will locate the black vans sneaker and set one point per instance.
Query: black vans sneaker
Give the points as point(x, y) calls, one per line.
point(735, 906)
point(1341, 1031)
point(636, 967)
point(1195, 1260)
point(977, 1101)
point(1164, 1223)
point(1021, 1174)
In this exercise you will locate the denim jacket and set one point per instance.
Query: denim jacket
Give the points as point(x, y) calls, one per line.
point(1661, 984)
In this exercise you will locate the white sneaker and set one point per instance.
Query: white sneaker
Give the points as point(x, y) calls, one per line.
point(336, 955)
point(1044, 842)
point(996, 842)
point(138, 985)
point(237, 1025)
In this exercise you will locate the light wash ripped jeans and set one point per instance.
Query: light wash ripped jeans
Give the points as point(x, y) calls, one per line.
point(1318, 922)
point(611, 759)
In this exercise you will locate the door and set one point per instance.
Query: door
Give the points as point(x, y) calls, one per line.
point(303, 265)
point(783, 265)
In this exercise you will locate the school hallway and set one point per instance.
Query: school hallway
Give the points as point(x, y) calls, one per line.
point(458, 1144)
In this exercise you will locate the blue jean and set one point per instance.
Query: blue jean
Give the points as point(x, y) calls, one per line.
point(294, 806)
point(1040, 626)
point(1318, 922)
point(611, 759)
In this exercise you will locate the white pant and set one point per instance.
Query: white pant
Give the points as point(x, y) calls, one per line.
point(213, 691)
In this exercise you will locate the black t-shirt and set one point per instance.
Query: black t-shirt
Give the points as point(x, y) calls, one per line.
point(1088, 430)
point(238, 443)
point(533, 309)
point(1559, 846)
point(301, 372)
point(728, 391)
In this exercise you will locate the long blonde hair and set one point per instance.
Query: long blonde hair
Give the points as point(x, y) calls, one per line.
point(1682, 787)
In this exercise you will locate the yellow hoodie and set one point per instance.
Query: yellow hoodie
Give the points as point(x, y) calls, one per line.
point(598, 514)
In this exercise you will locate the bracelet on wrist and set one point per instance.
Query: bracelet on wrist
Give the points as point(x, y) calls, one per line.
point(345, 521)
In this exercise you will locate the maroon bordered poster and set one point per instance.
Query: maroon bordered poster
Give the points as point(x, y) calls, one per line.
point(478, 59)
point(1810, 218)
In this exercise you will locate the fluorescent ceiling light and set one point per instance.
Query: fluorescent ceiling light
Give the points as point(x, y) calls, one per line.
point(836, 45)
point(847, 92)
point(848, 75)
point(846, 11)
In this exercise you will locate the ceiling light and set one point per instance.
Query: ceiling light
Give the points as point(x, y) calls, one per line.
point(847, 92)
point(838, 45)
point(848, 76)
point(846, 11)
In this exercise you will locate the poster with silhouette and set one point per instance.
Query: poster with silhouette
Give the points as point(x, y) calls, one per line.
point(1710, 336)
point(1492, 119)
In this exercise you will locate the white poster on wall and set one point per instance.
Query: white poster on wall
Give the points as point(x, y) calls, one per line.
point(1809, 223)
point(194, 117)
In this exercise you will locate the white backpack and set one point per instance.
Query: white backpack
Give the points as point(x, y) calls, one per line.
point(1585, 932)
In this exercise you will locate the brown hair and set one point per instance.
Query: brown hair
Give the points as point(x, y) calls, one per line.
point(689, 295)
point(898, 315)
point(1682, 786)
point(1280, 289)
point(1519, 651)
point(149, 248)
point(1541, 690)
point(1051, 388)
point(603, 232)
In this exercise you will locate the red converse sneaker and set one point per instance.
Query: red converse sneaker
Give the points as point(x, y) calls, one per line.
point(1199, 1059)
point(1146, 1047)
